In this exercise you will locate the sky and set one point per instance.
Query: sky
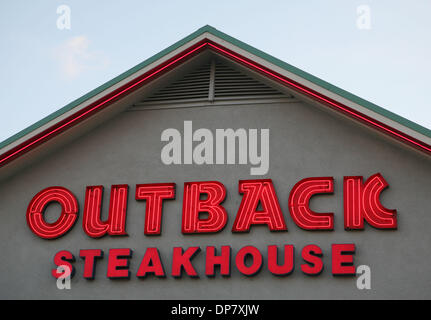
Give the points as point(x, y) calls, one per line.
point(377, 49)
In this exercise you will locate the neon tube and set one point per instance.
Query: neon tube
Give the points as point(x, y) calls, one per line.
point(326, 100)
point(28, 145)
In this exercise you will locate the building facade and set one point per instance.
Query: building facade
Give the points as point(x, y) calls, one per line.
point(215, 171)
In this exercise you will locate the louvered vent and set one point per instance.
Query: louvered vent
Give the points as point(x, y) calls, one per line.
point(194, 85)
point(214, 81)
point(232, 83)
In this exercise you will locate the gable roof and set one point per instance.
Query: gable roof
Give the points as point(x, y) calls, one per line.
point(210, 38)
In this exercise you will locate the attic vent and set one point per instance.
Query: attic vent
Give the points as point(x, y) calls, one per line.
point(214, 81)
point(232, 83)
point(192, 86)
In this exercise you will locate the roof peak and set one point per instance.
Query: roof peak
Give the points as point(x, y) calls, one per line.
point(235, 44)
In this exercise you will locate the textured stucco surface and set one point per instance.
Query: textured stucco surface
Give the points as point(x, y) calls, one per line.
point(304, 142)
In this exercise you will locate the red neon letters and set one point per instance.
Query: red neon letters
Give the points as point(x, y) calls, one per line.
point(193, 205)
point(361, 202)
point(116, 223)
point(299, 198)
point(255, 192)
point(154, 194)
point(37, 206)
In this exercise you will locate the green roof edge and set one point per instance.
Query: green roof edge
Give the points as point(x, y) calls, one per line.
point(101, 88)
point(345, 94)
point(207, 28)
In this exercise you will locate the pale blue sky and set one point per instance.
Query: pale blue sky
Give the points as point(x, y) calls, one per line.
point(44, 68)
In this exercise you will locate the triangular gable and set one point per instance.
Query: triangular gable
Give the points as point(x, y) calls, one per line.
point(207, 38)
point(212, 80)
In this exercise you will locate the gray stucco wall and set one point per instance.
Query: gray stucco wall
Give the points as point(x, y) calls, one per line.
point(304, 142)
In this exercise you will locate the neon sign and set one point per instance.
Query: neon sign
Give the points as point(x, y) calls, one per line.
point(361, 203)
point(259, 206)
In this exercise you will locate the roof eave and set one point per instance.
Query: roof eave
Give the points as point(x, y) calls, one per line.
point(258, 57)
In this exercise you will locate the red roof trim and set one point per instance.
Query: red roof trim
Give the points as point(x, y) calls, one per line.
point(136, 83)
point(98, 105)
point(401, 136)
